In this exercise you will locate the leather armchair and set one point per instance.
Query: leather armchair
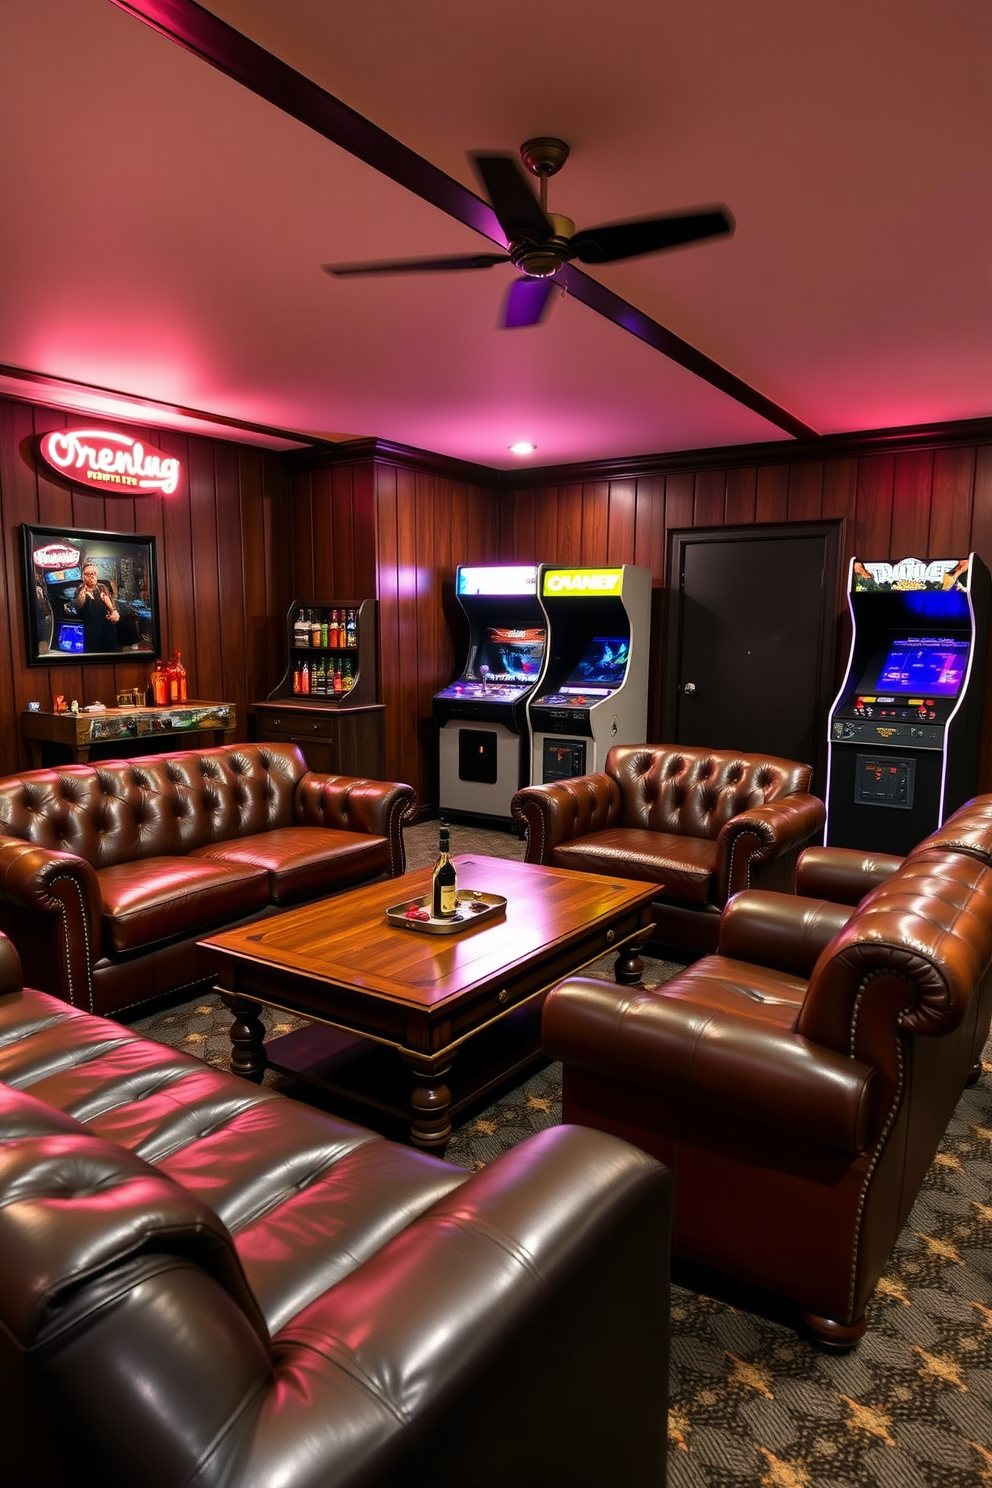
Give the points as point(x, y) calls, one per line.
point(798, 1082)
point(701, 823)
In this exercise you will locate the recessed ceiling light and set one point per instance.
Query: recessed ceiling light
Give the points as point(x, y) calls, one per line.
point(522, 447)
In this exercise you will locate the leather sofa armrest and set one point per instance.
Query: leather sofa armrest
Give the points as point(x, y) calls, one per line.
point(52, 909)
point(564, 810)
point(761, 834)
point(842, 874)
point(751, 1072)
point(783, 931)
point(379, 807)
point(11, 979)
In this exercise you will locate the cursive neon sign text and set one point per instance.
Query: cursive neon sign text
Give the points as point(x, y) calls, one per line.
point(115, 461)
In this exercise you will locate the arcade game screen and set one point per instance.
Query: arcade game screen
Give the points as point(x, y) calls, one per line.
point(511, 655)
point(925, 665)
point(603, 664)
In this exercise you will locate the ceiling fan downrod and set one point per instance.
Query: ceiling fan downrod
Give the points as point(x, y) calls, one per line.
point(544, 156)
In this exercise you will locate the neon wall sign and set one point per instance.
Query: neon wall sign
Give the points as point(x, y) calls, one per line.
point(118, 464)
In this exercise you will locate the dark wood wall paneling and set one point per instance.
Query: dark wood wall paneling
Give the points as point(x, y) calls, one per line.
point(912, 503)
point(426, 525)
point(242, 539)
point(380, 528)
point(224, 567)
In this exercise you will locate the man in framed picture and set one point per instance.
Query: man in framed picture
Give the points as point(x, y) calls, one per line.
point(95, 605)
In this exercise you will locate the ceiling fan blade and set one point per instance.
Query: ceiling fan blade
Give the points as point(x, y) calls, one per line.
point(517, 208)
point(526, 302)
point(418, 265)
point(617, 240)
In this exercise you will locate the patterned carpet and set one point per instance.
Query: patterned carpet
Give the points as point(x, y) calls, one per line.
point(752, 1405)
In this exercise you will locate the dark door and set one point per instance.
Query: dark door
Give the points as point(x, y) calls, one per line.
point(751, 639)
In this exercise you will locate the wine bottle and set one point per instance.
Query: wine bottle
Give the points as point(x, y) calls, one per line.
point(443, 880)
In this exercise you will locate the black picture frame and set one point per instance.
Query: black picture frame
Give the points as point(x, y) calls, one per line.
point(59, 634)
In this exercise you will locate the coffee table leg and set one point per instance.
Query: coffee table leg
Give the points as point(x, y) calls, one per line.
point(247, 1037)
point(430, 1102)
point(629, 968)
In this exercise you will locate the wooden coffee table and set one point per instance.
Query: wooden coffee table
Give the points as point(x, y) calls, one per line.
point(461, 1011)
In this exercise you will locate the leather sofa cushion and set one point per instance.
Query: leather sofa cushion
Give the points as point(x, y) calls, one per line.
point(302, 862)
point(686, 866)
point(155, 899)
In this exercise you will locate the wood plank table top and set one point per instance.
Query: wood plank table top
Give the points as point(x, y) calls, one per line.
point(341, 963)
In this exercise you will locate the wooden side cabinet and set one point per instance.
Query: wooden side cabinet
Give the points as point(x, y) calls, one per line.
point(334, 741)
point(339, 732)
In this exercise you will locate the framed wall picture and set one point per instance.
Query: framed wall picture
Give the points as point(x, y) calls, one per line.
point(89, 596)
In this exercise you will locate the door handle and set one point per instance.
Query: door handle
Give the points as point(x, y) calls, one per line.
point(689, 688)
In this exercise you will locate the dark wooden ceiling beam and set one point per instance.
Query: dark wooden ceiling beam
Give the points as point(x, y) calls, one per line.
point(216, 42)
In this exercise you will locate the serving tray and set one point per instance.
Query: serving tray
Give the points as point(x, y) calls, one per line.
point(473, 907)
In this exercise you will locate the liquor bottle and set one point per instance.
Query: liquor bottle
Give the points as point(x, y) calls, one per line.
point(325, 639)
point(352, 628)
point(305, 676)
point(176, 673)
point(443, 879)
point(297, 676)
point(160, 686)
point(298, 627)
point(321, 688)
point(334, 638)
point(347, 675)
point(338, 683)
point(315, 628)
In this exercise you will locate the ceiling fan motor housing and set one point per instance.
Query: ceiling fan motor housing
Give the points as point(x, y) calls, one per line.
point(541, 260)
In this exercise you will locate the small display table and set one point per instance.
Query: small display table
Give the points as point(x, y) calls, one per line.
point(75, 734)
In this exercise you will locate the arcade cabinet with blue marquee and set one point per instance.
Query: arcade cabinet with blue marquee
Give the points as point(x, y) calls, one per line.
point(482, 716)
point(905, 729)
point(595, 689)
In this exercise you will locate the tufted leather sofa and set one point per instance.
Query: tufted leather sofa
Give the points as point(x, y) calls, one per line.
point(205, 1283)
point(701, 823)
point(111, 873)
point(798, 1082)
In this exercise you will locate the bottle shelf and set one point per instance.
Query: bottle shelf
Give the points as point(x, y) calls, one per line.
point(355, 656)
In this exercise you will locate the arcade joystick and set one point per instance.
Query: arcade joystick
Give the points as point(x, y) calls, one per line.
point(484, 674)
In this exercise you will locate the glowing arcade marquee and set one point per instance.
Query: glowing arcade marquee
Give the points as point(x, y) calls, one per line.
point(120, 465)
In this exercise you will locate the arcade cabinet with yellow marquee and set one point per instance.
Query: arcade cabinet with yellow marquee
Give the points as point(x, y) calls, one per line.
point(905, 729)
point(594, 692)
point(484, 746)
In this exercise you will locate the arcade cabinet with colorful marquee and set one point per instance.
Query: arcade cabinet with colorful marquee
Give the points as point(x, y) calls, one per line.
point(595, 687)
point(482, 716)
point(905, 729)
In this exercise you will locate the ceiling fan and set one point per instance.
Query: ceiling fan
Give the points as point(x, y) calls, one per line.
point(541, 243)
